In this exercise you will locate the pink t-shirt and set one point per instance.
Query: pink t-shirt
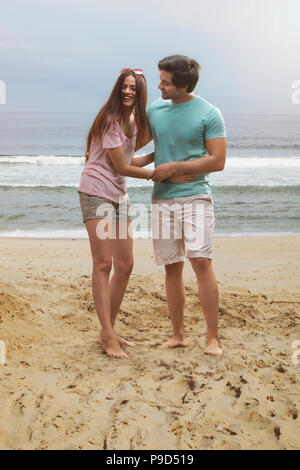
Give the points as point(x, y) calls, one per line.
point(99, 176)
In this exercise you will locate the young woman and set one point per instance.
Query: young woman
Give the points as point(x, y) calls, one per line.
point(119, 129)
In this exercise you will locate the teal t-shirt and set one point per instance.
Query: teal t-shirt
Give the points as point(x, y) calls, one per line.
point(179, 133)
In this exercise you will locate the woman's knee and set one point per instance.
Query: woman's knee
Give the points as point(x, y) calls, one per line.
point(124, 269)
point(103, 266)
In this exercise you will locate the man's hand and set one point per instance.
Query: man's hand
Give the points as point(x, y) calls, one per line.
point(164, 171)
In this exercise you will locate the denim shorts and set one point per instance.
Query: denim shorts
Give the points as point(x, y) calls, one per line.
point(94, 207)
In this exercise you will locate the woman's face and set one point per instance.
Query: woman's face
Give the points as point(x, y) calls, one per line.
point(128, 91)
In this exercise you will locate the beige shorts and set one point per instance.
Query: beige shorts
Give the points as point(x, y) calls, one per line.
point(182, 226)
point(95, 207)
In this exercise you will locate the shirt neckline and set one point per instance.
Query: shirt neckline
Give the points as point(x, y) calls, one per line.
point(134, 131)
point(184, 103)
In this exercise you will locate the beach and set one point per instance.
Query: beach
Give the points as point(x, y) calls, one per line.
point(59, 390)
point(228, 111)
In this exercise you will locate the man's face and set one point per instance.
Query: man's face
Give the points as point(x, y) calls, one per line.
point(167, 87)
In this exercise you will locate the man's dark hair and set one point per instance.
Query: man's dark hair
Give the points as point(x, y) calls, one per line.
point(185, 70)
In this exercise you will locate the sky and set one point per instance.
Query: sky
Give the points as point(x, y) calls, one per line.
point(66, 55)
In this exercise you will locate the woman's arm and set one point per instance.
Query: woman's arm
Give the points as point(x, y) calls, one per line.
point(143, 160)
point(147, 138)
point(118, 159)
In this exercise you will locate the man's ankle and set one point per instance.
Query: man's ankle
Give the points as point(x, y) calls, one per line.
point(212, 337)
point(179, 335)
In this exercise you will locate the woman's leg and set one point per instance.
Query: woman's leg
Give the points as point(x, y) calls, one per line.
point(102, 262)
point(122, 254)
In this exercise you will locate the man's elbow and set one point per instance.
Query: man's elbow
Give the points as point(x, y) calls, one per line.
point(220, 164)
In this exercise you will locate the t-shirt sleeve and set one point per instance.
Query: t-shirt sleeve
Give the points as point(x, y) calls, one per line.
point(112, 138)
point(215, 125)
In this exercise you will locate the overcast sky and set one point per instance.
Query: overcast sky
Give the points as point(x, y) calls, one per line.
point(64, 55)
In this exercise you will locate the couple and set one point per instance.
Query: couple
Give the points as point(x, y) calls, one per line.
point(189, 138)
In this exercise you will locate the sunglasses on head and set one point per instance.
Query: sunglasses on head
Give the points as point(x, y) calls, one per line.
point(136, 71)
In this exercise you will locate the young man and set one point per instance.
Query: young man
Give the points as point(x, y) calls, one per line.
point(189, 136)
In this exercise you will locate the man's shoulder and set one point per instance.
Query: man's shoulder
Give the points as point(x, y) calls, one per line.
point(210, 114)
point(158, 104)
point(204, 105)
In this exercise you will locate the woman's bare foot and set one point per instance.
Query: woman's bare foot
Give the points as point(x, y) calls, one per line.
point(124, 341)
point(121, 341)
point(174, 342)
point(112, 347)
point(213, 347)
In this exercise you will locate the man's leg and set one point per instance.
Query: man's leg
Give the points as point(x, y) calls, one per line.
point(198, 232)
point(176, 299)
point(209, 300)
point(169, 251)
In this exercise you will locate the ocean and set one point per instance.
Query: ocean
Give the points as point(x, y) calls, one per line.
point(41, 159)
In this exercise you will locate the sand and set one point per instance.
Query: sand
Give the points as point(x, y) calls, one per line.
point(58, 389)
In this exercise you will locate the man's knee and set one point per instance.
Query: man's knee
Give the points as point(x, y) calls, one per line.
point(174, 268)
point(201, 264)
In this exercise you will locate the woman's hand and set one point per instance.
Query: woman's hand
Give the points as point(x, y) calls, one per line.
point(150, 175)
point(164, 171)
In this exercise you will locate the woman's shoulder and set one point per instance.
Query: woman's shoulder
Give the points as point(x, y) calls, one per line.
point(111, 123)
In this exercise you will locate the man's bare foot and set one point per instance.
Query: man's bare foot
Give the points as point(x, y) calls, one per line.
point(112, 347)
point(121, 341)
point(213, 348)
point(174, 342)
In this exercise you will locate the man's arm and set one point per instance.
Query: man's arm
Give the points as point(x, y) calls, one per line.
point(215, 161)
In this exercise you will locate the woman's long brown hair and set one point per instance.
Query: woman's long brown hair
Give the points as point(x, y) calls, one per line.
point(112, 111)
